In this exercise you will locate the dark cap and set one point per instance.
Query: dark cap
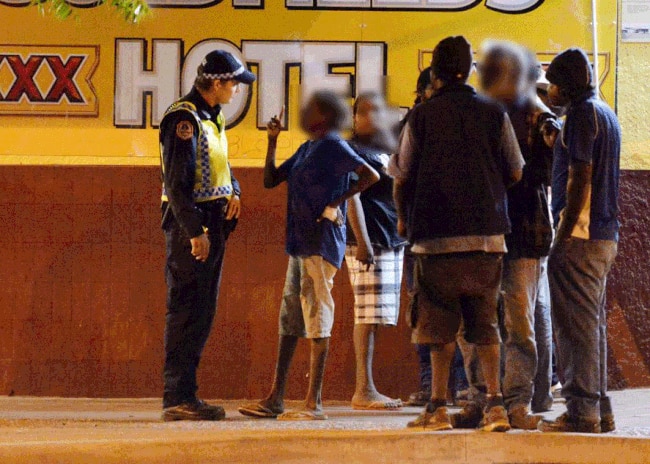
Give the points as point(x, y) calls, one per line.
point(570, 70)
point(452, 59)
point(220, 64)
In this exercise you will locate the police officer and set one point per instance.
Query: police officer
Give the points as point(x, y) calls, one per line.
point(200, 207)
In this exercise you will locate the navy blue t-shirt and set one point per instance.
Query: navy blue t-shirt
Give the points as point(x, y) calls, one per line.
point(377, 202)
point(591, 134)
point(317, 174)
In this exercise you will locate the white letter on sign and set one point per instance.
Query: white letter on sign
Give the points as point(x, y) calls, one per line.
point(316, 62)
point(272, 60)
point(370, 73)
point(133, 81)
point(512, 6)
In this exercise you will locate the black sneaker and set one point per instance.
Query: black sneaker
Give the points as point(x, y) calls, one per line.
point(467, 418)
point(196, 410)
point(566, 423)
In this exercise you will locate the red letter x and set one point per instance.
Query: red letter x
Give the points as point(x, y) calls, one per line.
point(24, 83)
point(64, 74)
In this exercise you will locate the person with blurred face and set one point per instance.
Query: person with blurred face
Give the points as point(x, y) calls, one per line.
point(318, 180)
point(506, 74)
point(375, 251)
point(460, 151)
point(585, 181)
point(200, 207)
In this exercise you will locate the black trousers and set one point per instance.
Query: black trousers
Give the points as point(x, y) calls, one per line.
point(192, 292)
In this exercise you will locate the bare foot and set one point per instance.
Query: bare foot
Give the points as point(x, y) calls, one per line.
point(375, 400)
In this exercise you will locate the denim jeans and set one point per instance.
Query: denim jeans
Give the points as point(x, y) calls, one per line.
point(542, 398)
point(519, 290)
point(578, 274)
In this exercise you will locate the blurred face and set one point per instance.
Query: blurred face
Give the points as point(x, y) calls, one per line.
point(312, 120)
point(555, 96)
point(427, 93)
point(225, 91)
point(366, 118)
point(500, 80)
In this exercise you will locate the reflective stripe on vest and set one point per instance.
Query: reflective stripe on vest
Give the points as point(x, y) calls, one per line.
point(212, 177)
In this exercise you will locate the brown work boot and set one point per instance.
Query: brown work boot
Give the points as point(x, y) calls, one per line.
point(521, 418)
point(467, 418)
point(432, 419)
point(566, 423)
point(495, 419)
point(607, 423)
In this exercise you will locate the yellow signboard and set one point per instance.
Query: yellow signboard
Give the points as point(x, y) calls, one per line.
point(52, 67)
point(48, 80)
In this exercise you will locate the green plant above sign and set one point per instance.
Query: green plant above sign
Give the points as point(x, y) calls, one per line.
point(133, 11)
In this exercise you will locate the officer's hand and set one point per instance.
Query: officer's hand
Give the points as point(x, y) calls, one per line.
point(233, 208)
point(200, 247)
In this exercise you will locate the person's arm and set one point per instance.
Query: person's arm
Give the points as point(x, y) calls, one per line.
point(577, 195)
point(272, 175)
point(367, 177)
point(234, 204)
point(400, 205)
point(401, 167)
point(357, 217)
point(179, 160)
point(579, 136)
point(514, 161)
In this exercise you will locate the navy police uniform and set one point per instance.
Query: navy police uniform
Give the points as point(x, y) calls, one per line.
point(197, 186)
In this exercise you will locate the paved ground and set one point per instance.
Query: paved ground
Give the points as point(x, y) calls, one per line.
point(130, 430)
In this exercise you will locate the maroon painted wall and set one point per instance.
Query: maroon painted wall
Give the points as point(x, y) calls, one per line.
point(82, 294)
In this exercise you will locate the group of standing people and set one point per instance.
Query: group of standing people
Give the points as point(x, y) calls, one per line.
point(466, 189)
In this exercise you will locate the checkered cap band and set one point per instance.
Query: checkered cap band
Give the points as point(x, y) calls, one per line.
point(230, 75)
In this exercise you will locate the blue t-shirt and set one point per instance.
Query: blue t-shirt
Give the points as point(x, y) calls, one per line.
point(591, 134)
point(317, 174)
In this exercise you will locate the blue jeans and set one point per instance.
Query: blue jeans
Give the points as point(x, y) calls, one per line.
point(542, 398)
point(519, 290)
point(578, 274)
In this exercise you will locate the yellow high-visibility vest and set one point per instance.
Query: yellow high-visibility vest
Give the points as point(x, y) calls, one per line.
point(212, 177)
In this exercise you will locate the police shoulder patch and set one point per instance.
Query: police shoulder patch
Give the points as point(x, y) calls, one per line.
point(184, 130)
